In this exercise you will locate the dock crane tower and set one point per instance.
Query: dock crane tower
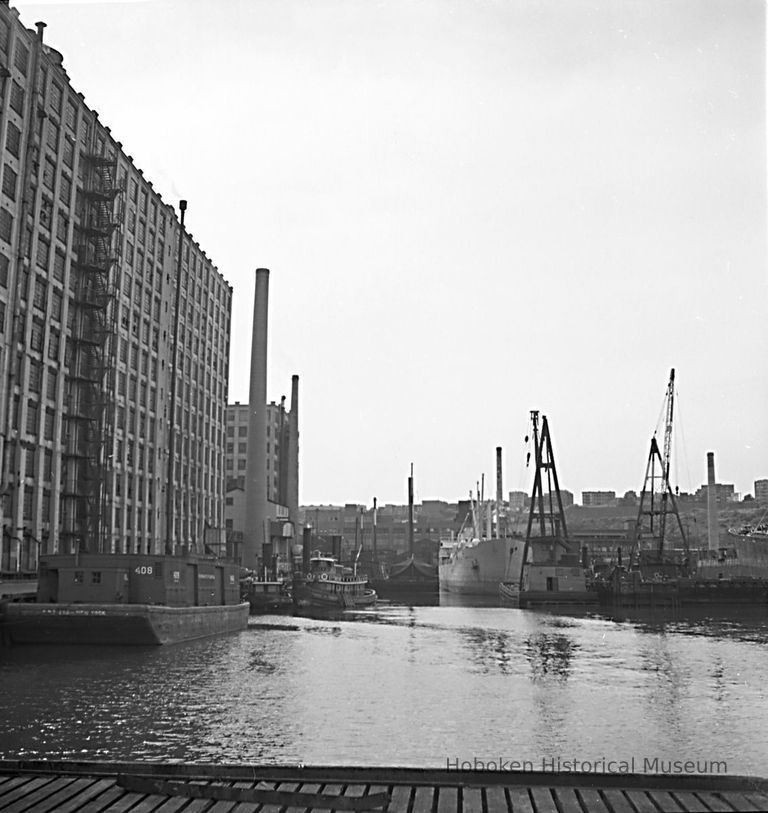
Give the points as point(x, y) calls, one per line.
point(657, 498)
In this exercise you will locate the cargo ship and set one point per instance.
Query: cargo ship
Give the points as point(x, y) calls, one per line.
point(119, 599)
point(476, 566)
point(482, 555)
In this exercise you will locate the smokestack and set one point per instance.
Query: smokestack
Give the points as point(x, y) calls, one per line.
point(713, 528)
point(255, 534)
point(375, 549)
point(499, 492)
point(306, 548)
point(410, 513)
point(292, 485)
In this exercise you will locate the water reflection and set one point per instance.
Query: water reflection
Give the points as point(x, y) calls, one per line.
point(744, 623)
point(402, 685)
point(549, 656)
point(491, 651)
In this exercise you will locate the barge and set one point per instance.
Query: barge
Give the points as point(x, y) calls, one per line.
point(122, 599)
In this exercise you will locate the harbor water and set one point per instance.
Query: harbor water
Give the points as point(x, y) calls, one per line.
point(413, 686)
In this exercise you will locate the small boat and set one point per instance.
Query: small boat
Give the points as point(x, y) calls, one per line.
point(266, 596)
point(411, 577)
point(757, 532)
point(328, 584)
point(408, 578)
point(510, 590)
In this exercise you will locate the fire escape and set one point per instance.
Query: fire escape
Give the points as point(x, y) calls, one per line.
point(91, 380)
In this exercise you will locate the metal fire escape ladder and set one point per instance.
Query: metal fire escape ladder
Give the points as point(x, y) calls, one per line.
point(90, 410)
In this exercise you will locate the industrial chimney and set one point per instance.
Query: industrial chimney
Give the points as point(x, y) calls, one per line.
point(256, 531)
point(292, 485)
point(713, 527)
point(499, 492)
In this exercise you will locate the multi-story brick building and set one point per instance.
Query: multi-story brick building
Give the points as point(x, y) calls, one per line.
point(282, 480)
point(237, 417)
point(724, 493)
point(761, 491)
point(607, 498)
point(92, 326)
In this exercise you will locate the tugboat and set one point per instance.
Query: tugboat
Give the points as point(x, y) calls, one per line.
point(328, 584)
point(266, 595)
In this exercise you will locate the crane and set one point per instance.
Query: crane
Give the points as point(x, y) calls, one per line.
point(656, 489)
point(666, 489)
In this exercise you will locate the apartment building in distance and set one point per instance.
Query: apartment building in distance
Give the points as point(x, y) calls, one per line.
point(761, 491)
point(593, 498)
point(103, 295)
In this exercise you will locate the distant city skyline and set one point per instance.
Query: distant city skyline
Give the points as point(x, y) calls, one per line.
point(470, 210)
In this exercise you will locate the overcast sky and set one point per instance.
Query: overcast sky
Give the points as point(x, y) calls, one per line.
point(470, 209)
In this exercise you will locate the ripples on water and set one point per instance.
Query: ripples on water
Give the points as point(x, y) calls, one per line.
point(404, 686)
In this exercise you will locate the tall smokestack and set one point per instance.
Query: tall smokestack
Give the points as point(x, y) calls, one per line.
point(255, 533)
point(410, 513)
point(713, 528)
point(499, 492)
point(292, 485)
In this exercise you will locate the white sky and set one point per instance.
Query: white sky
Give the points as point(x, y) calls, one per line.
point(470, 209)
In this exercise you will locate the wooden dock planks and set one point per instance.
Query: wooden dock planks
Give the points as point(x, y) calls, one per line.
point(37, 790)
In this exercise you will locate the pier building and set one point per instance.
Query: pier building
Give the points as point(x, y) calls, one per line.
point(103, 295)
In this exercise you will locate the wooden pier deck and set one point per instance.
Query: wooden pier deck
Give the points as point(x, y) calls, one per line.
point(77, 787)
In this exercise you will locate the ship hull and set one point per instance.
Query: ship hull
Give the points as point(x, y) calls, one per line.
point(126, 624)
point(685, 593)
point(268, 597)
point(477, 569)
point(746, 557)
point(308, 596)
point(399, 587)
